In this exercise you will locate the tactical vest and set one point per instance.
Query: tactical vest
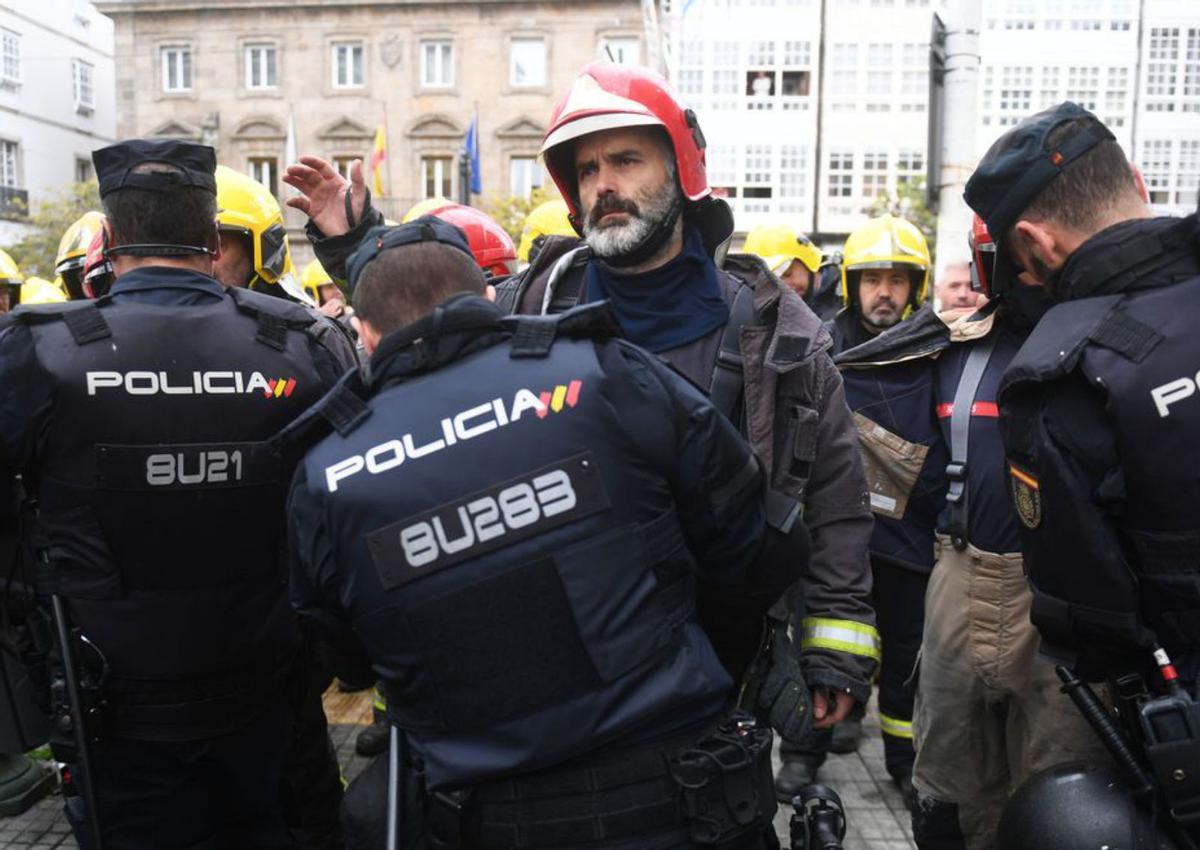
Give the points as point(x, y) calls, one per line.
point(159, 496)
point(504, 526)
point(1142, 352)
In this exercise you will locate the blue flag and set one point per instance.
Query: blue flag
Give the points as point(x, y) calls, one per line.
point(471, 152)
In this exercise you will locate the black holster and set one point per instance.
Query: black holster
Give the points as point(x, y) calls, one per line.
point(728, 792)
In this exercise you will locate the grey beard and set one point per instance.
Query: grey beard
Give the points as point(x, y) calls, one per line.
point(617, 240)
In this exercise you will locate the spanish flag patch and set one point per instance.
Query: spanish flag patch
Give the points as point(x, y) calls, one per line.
point(1027, 496)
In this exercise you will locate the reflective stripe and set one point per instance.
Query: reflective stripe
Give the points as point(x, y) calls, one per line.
point(895, 727)
point(841, 636)
point(379, 703)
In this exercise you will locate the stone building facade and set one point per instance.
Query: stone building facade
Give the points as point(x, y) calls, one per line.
point(243, 75)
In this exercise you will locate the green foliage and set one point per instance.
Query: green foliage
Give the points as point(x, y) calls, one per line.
point(909, 203)
point(510, 212)
point(50, 219)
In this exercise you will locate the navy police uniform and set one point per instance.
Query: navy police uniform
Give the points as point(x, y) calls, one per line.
point(140, 423)
point(1099, 422)
point(512, 520)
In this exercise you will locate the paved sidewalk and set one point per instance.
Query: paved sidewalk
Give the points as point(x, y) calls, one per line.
point(877, 817)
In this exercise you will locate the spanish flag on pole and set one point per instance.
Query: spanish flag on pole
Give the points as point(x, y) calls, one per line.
point(378, 155)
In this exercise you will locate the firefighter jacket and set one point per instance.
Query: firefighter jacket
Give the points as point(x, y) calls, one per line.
point(513, 517)
point(1100, 420)
point(903, 387)
point(140, 423)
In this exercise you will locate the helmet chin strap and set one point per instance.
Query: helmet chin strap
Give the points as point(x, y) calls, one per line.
point(652, 242)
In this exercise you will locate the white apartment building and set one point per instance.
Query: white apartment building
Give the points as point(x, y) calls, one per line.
point(57, 100)
point(751, 69)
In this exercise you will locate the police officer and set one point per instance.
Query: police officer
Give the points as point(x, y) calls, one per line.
point(628, 159)
point(516, 518)
point(140, 422)
point(1099, 406)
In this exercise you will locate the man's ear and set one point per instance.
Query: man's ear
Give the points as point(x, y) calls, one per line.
point(1139, 180)
point(214, 242)
point(1038, 240)
point(366, 334)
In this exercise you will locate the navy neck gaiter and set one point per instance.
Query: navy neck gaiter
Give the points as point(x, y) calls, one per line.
point(667, 307)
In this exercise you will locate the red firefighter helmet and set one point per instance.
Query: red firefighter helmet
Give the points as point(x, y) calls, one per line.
point(97, 269)
point(983, 258)
point(490, 243)
point(606, 96)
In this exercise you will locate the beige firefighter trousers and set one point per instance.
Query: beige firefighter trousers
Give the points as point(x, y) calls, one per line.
point(989, 712)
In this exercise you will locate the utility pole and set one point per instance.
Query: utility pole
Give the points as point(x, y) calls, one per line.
point(818, 150)
point(959, 119)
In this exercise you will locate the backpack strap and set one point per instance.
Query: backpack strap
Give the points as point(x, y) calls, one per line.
point(725, 387)
point(960, 433)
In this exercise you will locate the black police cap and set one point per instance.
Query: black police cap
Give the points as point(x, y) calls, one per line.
point(424, 229)
point(1021, 163)
point(193, 166)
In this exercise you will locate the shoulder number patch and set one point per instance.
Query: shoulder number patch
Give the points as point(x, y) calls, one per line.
point(1027, 496)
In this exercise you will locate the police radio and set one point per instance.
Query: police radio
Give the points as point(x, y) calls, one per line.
point(1170, 732)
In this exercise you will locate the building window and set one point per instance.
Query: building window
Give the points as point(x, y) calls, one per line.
point(722, 170)
point(1156, 169)
point(845, 69)
point(83, 170)
point(691, 81)
point(437, 64)
point(348, 65)
point(793, 188)
point(909, 166)
point(527, 63)
point(1048, 94)
point(8, 164)
point(261, 71)
point(1188, 171)
point(177, 69)
point(758, 182)
point(265, 170)
point(727, 80)
point(437, 176)
point(841, 174)
point(10, 56)
point(1160, 69)
point(624, 50)
point(875, 174)
point(524, 175)
point(1083, 86)
point(1016, 89)
point(83, 84)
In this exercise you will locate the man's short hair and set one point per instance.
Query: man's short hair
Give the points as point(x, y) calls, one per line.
point(404, 283)
point(1088, 189)
point(183, 216)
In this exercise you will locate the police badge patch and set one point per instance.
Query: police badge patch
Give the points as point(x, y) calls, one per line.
point(1027, 497)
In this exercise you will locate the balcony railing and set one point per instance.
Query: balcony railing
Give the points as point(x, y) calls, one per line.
point(14, 203)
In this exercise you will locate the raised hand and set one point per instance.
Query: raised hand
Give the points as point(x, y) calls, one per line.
point(323, 193)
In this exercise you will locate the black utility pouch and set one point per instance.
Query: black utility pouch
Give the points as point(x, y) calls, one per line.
point(1171, 731)
point(728, 792)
